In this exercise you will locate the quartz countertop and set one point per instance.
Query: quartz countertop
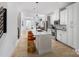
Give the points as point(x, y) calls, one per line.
point(42, 32)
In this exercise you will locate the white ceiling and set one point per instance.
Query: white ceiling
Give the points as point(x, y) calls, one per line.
point(44, 7)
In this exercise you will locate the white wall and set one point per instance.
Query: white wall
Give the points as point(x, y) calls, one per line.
point(22, 23)
point(9, 42)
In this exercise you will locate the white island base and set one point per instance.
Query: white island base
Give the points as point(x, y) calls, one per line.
point(43, 43)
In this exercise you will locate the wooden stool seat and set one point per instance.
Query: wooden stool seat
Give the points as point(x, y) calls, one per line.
point(31, 44)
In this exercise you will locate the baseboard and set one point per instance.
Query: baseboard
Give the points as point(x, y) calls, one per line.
point(66, 44)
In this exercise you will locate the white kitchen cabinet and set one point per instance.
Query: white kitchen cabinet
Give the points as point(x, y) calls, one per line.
point(63, 17)
point(70, 37)
point(54, 16)
point(62, 36)
point(70, 25)
point(70, 18)
point(76, 26)
point(66, 18)
point(59, 35)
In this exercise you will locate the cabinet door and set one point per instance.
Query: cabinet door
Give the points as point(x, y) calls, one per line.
point(59, 35)
point(64, 37)
point(70, 37)
point(63, 17)
point(75, 25)
point(70, 26)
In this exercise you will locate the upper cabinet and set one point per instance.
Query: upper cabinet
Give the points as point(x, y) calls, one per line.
point(63, 17)
point(54, 16)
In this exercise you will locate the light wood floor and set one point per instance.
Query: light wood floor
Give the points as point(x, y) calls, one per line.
point(58, 50)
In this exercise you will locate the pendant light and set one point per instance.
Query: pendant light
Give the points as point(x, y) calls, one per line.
point(35, 9)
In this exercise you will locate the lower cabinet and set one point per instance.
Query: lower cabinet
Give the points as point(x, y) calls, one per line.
point(70, 37)
point(66, 37)
point(59, 35)
point(62, 36)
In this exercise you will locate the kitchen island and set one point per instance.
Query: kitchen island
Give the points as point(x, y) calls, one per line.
point(43, 41)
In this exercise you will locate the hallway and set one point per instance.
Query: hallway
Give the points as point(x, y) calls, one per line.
point(58, 50)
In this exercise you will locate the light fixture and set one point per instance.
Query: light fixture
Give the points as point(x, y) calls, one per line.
point(35, 9)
